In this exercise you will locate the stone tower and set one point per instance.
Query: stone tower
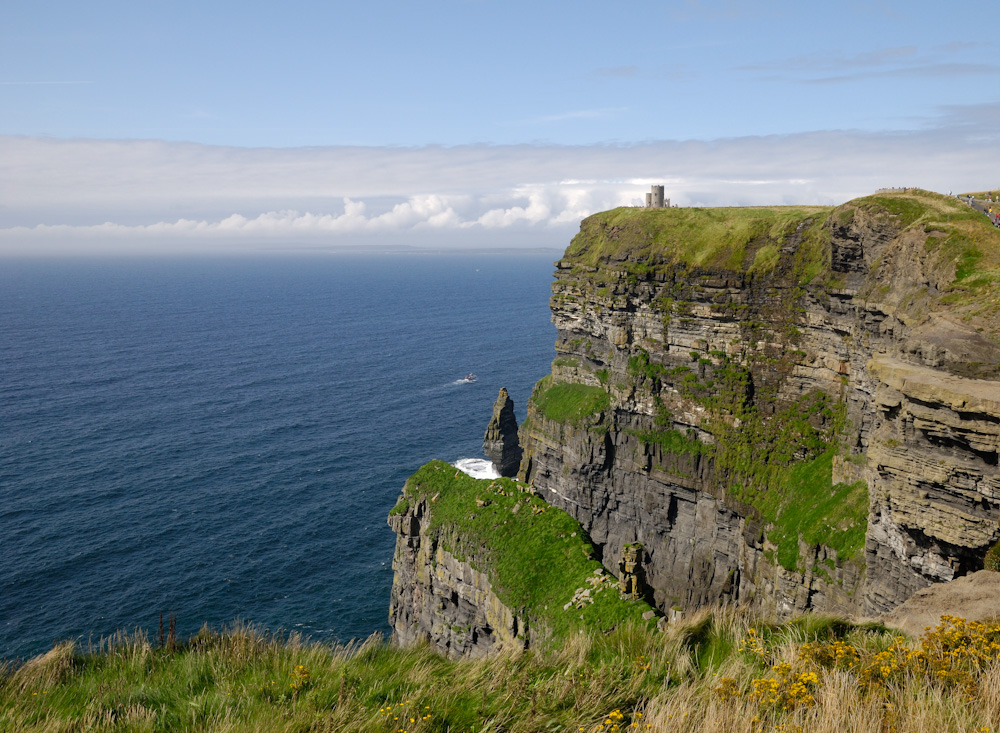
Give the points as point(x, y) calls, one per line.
point(654, 199)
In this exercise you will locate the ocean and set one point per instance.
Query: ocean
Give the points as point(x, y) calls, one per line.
point(222, 439)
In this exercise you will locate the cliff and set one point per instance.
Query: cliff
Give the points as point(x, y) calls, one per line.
point(485, 565)
point(791, 407)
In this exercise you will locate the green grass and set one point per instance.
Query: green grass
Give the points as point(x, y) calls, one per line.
point(982, 194)
point(567, 402)
point(246, 680)
point(674, 441)
point(566, 361)
point(721, 238)
point(536, 558)
point(804, 503)
point(907, 210)
point(698, 677)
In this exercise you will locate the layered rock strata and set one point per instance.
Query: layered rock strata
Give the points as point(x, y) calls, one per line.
point(826, 341)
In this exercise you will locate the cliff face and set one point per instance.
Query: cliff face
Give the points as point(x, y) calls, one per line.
point(795, 408)
point(442, 600)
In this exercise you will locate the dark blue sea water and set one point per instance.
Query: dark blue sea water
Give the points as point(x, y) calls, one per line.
point(222, 439)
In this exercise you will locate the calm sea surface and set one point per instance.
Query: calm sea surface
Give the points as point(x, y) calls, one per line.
point(222, 439)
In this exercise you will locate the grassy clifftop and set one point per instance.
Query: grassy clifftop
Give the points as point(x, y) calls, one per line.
point(737, 239)
point(955, 244)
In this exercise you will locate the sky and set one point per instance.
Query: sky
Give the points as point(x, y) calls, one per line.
point(241, 127)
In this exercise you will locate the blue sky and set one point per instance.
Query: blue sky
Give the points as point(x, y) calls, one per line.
point(223, 125)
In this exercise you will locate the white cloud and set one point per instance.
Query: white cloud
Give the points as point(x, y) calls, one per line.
point(83, 195)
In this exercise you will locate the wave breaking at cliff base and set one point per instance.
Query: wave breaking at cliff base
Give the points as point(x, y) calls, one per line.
point(476, 467)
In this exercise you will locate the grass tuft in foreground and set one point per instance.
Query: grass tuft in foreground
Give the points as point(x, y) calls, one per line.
point(722, 671)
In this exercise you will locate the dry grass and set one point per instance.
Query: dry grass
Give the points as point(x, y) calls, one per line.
point(720, 671)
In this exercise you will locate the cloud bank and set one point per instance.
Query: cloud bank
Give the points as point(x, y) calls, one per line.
point(106, 195)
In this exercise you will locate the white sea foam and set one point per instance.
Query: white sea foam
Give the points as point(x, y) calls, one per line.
point(476, 467)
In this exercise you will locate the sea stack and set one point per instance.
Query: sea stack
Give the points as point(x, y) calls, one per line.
point(500, 442)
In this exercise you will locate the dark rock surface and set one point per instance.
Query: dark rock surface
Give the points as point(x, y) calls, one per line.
point(501, 442)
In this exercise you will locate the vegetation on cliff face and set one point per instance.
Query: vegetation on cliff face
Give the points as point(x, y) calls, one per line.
point(780, 462)
point(929, 261)
point(721, 671)
point(804, 505)
point(539, 561)
point(567, 402)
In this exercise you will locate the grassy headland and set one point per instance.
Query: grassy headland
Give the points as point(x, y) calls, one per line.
point(956, 246)
point(719, 238)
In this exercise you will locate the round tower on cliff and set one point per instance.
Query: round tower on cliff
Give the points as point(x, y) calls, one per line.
point(656, 197)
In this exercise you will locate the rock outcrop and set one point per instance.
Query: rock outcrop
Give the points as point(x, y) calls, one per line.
point(442, 600)
point(972, 597)
point(500, 444)
point(631, 578)
point(486, 565)
point(761, 376)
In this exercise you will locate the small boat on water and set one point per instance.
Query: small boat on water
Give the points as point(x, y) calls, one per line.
point(470, 377)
